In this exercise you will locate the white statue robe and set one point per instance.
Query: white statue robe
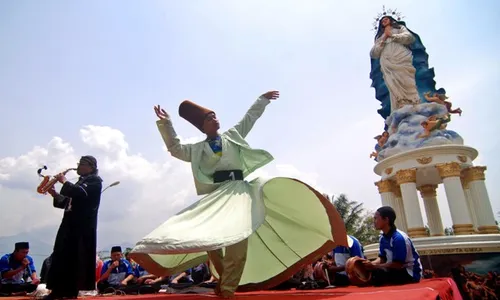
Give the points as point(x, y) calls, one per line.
point(396, 64)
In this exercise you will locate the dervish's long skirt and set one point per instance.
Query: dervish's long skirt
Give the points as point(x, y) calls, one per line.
point(288, 225)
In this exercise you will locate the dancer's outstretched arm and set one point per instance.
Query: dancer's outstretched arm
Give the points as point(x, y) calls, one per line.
point(245, 125)
point(174, 146)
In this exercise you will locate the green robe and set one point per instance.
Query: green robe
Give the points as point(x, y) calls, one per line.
point(287, 223)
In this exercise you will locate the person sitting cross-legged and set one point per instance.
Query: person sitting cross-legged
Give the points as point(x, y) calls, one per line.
point(341, 254)
point(116, 273)
point(398, 261)
point(17, 272)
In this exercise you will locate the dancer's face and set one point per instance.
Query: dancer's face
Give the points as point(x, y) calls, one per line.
point(211, 124)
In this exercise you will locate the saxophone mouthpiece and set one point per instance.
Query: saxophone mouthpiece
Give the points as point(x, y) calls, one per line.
point(41, 169)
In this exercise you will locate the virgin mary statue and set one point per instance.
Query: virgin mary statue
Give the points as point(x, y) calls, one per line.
point(392, 50)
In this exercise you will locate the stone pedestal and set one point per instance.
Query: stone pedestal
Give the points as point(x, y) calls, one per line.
point(450, 174)
point(406, 180)
point(450, 165)
point(428, 193)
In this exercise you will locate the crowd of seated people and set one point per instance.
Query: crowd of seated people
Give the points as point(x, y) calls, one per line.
point(398, 263)
point(120, 273)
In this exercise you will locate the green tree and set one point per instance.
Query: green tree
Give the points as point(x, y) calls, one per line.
point(358, 221)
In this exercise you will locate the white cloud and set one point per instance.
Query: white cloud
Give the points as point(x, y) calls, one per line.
point(149, 192)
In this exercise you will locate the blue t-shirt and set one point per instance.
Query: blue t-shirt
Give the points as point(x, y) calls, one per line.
point(119, 273)
point(8, 263)
point(342, 253)
point(140, 271)
point(396, 246)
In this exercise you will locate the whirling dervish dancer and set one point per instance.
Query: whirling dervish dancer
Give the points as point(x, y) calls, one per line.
point(257, 234)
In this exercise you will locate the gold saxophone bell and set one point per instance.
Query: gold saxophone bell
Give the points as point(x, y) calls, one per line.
point(47, 183)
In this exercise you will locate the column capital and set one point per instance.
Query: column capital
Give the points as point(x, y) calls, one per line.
point(476, 173)
point(465, 179)
point(396, 190)
point(384, 186)
point(406, 176)
point(428, 190)
point(451, 169)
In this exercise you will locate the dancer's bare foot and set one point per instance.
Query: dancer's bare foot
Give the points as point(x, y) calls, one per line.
point(217, 289)
point(226, 295)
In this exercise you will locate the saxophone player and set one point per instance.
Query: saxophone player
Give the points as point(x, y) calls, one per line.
point(73, 259)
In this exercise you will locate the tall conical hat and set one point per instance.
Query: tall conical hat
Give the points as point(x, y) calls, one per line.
point(194, 113)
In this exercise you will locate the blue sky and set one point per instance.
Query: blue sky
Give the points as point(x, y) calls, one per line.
point(69, 64)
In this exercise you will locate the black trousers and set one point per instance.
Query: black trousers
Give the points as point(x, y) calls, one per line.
point(8, 289)
point(391, 277)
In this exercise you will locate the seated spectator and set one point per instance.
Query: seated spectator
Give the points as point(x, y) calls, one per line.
point(398, 261)
point(17, 272)
point(98, 268)
point(341, 254)
point(201, 274)
point(116, 273)
point(184, 277)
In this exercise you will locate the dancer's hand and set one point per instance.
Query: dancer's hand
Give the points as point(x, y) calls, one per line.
point(160, 112)
point(35, 281)
point(271, 95)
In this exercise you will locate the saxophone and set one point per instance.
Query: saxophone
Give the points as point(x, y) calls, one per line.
point(47, 183)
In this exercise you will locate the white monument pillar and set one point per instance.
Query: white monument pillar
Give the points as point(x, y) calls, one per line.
point(385, 191)
point(450, 173)
point(428, 193)
point(468, 198)
point(406, 179)
point(401, 222)
point(481, 200)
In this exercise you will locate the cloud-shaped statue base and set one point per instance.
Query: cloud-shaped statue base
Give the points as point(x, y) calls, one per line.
point(407, 132)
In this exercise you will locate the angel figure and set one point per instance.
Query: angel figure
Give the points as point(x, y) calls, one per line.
point(381, 140)
point(432, 123)
point(440, 97)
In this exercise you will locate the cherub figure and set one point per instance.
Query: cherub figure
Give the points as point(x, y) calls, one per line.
point(440, 97)
point(432, 123)
point(381, 140)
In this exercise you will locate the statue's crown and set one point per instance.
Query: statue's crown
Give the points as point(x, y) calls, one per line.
point(396, 15)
